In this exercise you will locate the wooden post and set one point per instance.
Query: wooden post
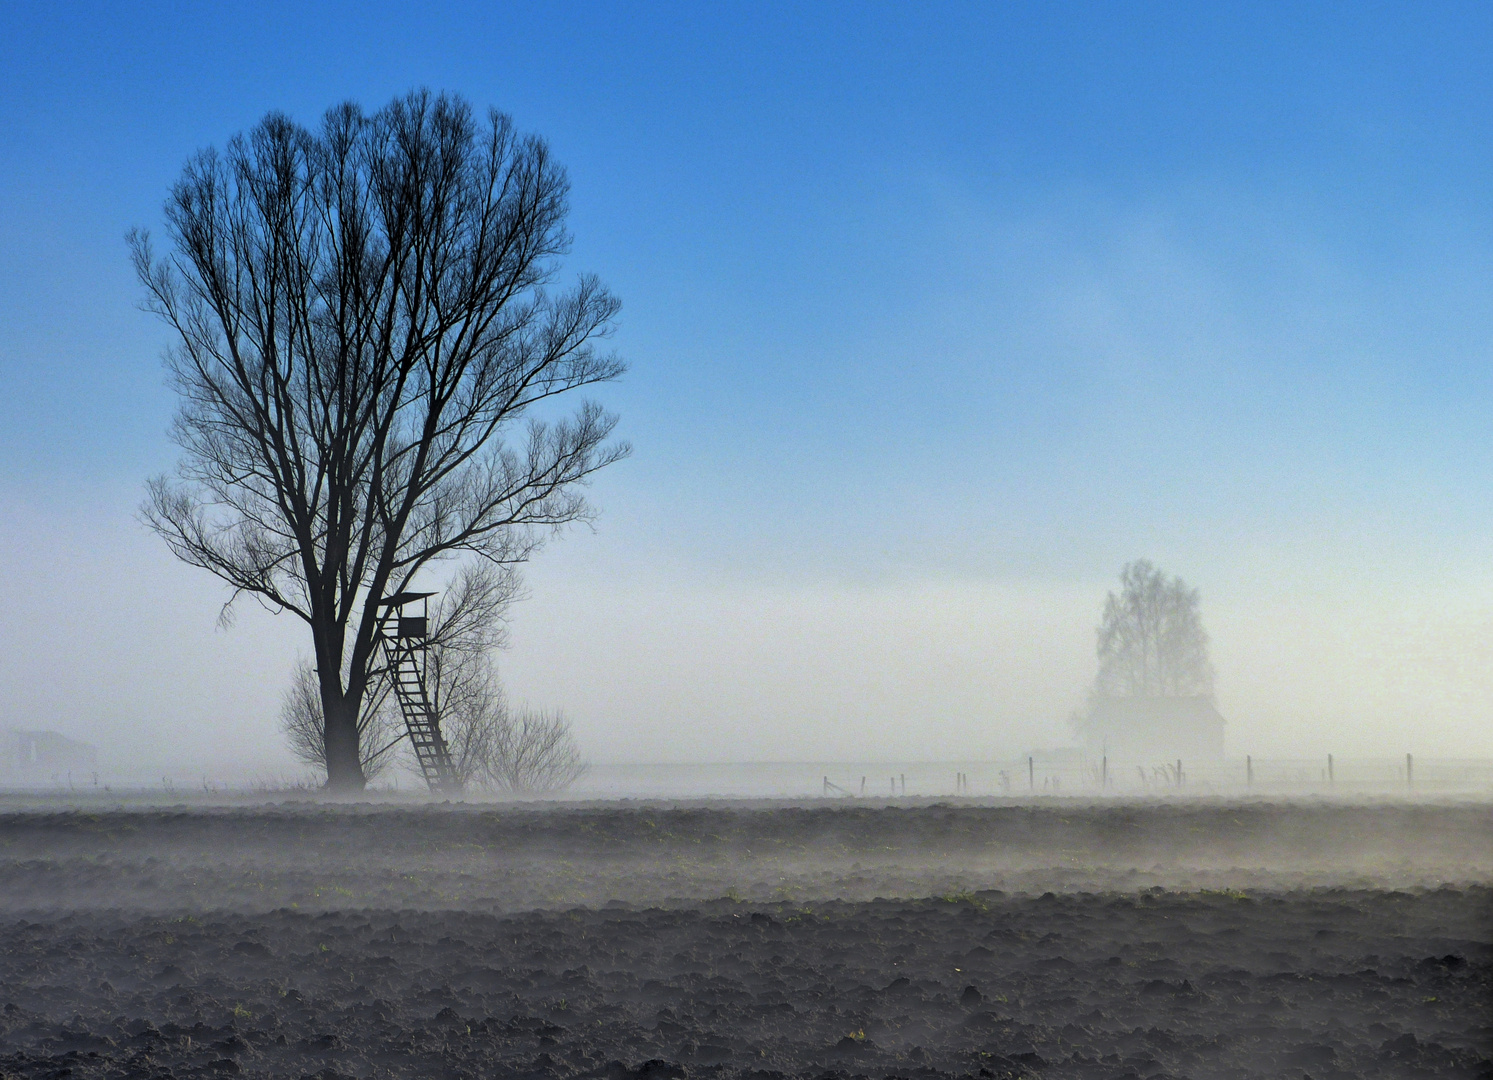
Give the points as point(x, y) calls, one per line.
point(1031, 774)
point(863, 785)
point(1409, 771)
point(1331, 777)
point(1249, 771)
point(904, 783)
point(1104, 772)
point(1179, 772)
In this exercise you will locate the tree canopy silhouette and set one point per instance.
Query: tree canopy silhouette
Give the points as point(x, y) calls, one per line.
point(1151, 638)
point(363, 329)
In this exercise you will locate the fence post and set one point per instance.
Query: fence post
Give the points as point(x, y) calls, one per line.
point(1331, 778)
point(1409, 771)
point(1031, 774)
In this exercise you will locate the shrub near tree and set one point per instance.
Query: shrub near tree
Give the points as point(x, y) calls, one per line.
point(363, 331)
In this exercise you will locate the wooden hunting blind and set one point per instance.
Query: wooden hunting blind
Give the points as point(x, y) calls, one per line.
point(406, 645)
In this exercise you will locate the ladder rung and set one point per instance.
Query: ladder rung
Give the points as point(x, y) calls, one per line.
point(408, 681)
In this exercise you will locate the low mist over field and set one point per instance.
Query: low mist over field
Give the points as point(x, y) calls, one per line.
point(653, 670)
point(258, 858)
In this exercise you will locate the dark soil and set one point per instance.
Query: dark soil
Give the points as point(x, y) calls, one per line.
point(189, 970)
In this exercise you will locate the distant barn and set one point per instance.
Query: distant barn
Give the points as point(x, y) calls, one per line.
point(41, 755)
point(1155, 728)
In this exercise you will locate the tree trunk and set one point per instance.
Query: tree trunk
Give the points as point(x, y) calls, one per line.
point(344, 761)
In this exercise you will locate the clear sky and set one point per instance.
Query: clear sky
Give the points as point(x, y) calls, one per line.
point(937, 315)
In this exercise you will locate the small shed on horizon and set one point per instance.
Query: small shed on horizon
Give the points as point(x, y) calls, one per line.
point(38, 755)
point(1155, 728)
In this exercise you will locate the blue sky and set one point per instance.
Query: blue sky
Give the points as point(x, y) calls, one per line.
point(937, 314)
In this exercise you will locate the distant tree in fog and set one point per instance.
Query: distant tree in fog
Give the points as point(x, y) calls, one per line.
point(361, 324)
point(1151, 638)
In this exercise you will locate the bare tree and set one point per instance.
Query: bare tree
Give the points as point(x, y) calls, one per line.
point(379, 727)
point(491, 746)
point(465, 623)
point(1151, 638)
point(361, 320)
point(524, 752)
point(528, 752)
point(475, 711)
point(535, 754)
point(465, 627)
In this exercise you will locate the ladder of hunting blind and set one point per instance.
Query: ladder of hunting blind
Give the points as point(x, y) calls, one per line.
point(431, 751)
